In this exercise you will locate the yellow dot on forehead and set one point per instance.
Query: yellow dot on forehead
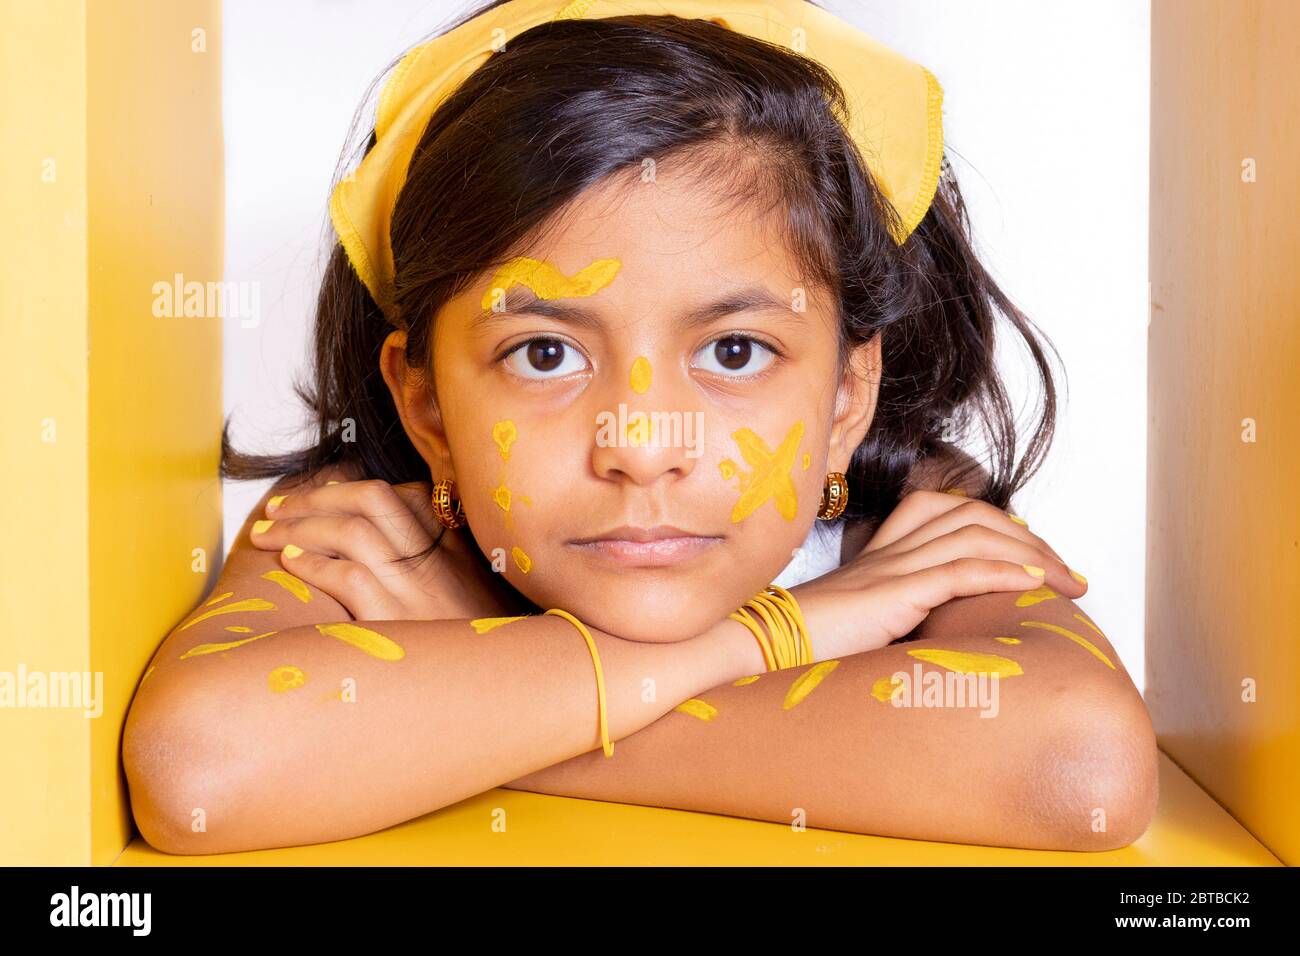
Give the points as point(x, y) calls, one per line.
point(641, 375)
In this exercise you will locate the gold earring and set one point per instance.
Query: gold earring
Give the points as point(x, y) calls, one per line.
point(449, 515)
point(835, 496)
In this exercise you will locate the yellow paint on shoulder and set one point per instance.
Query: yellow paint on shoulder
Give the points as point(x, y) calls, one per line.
point(745, 680)
point(1034, 596)
point(501, 495)
point(484, 624)
point(969, 662)
point(147, 673)
point(548, 282)
point(248, 604)
point(239, 629)
point(200, 649)
point(885, 688)
point(1018, 520)
point(770, 475)
point(1089, 623)
point(1008, 640)
point(1083, 642)
point(294, 585)
point(697, 708)
point(219, 598)
point(807, 682)
point(641, 375)
point(286, 677)
point(504, 434)
point(364, 639)
point(523, 561)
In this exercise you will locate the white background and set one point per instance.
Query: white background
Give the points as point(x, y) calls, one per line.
point(1047, 124)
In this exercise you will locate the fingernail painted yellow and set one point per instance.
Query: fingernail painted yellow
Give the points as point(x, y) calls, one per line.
point(262, 526)
point(1034, 569)
point(1033, 597)
point(1078, 577)
point(200, 649)
point(969, 662)
point(697, 708)
point(524, 562)
point(294, 585)
point(286, 677)
point(504, 434)
point(770, 474)
point(292, 551)
point(276, 501)
point(641, 375)
point(484, 624)
point(248, 604)
point(807, 682)
point(1081, 641)
point(548, 282)
point(364, 639)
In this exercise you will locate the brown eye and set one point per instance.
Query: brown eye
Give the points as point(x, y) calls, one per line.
point(735, 355)
point(544, 358)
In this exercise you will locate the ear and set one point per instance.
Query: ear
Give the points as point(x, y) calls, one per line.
point(855, 403)
point(417, 406)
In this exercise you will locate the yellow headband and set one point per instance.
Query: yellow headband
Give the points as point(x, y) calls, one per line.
point(894, 106)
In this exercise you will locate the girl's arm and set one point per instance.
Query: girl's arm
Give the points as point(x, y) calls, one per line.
point(1066, 759)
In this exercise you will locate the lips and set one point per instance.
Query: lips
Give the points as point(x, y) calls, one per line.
point(660, 546)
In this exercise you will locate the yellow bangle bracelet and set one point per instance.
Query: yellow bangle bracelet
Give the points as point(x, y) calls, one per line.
point(600, 677)
point(787, 643)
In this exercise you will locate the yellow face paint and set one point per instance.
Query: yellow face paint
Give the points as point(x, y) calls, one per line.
point(746, 680)
point(728, 469)
point(504, 434)
point(248, 604)
point(294, 585)
point(526, 500)
point(484, 624)
point(219, 598)
point(286, 677)
point(697, 708)
point(807, 460)
point(548, 282)
point(806, 682)
point(501, 495)
point(885, 688)
point(1081, 641)
point(240, 630)
point(364, 639)
point(641, 374)
point(200, 649)
point(770, 477)
point(969, 662)
point(1034, 596)
point(1008, 640)
point(638, 430)
point(523, 561)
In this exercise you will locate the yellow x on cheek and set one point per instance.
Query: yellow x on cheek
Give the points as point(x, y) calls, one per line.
point(770, 477)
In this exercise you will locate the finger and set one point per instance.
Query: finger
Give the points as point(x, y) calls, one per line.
point(974, 511)
point(373, 499)
point(351, 584)
point(350, 537)
point(912, 511)
point(932, 586)
point(981, 542)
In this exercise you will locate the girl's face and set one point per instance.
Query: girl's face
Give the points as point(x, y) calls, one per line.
point(639, 415)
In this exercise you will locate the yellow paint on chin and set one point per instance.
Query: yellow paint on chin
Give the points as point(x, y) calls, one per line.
point(199, 650)
point(219, 598)
point(1033, 597)
point(1008, 640)
point(641, 375)
point(484, 624)
point(294, 585)
point(364, 639)
point(1083, 642)
point(548, 282)
point(770, 475)
point(523, 561)
point(746, 680)
point(885, 688)
point(697, 708)
point(969, 662)
point(248, 604)
point(504, 434)
point(286, 677)
point(501, 495)
point(807, 682)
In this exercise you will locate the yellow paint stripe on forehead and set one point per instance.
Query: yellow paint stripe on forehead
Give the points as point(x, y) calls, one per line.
point(548, 282)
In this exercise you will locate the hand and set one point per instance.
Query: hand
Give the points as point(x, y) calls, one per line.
point(932, 548)
point(351, 534)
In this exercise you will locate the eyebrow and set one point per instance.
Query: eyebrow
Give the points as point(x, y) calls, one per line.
point(521, 300)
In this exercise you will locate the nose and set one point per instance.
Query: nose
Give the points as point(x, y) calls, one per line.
point(643, 437)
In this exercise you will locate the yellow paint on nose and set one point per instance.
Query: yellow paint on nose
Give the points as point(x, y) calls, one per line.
point(641, 375)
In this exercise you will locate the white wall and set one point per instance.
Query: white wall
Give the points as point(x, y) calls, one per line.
point(1046, 116)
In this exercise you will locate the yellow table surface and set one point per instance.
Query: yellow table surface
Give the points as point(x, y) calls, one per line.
point(1189, 829)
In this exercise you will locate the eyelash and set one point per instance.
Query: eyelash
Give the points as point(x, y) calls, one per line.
point(778, 355)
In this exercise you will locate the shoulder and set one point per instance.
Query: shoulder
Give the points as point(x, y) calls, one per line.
point(948, 469)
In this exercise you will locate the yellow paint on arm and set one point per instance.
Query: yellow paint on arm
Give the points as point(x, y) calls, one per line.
point(1081, 641)
point(294, 585)
point(697, 708)
point(746, 680)
point(1008, 640)
point(238, 629)
point(364, 639)
point(200, 649)
point(807, 682)
point(885, 688)
point(969, 662)
point(1033, 597)
point(484, 624)
point(248, 604)
point(286, 677)
point(219, 598)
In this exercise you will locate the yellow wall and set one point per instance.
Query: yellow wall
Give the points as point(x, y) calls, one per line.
point(1223, 558)
point(100, 523)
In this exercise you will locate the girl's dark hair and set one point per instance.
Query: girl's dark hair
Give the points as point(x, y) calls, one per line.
point(567, 104)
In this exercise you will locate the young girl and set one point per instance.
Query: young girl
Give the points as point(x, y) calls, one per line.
point(632, 317)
